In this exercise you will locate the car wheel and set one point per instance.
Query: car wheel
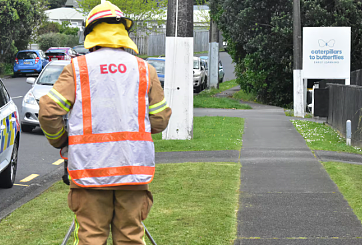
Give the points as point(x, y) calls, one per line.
point(15, 75)
point(7, 177)
point(27, 128)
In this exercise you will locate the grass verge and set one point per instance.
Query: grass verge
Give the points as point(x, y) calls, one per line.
point(195, 203)
point(290, 113)
point(348, 179)
point(322, 137)
point(210, 134)
point(207, 98)
point(242, 95)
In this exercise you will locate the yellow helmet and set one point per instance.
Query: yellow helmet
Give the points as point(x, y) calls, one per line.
point(106, 26)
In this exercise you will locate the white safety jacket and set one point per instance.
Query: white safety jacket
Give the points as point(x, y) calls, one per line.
point(110, 141)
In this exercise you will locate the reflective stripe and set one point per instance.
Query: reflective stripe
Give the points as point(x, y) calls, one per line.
point(160, 106)
point(144, 232)
point(112, 171)
point(59, 99)
point(86, 95)
point(99, 15)
point(109, 137)
point(54, 136)
point(142, 93)
point(76, 228)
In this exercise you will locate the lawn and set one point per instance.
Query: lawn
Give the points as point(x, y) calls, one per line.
point(194, 203)
point(207, 98)
point(348, 178)
point(322, 137)
point(210, 134)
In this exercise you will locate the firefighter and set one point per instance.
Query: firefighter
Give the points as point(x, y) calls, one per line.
point(115, 102)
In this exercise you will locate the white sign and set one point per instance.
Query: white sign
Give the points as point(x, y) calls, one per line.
point(326, 52)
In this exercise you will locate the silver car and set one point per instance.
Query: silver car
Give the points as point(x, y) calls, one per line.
point(199, 75)
point(41, 86)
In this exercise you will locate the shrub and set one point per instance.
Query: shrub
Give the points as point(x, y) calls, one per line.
point(48, 40)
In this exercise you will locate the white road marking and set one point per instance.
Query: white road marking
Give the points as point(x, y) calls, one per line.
point(17, 97)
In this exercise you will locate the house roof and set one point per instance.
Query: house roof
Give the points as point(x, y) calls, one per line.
point(72, 4)
point(64, 14)
point(201, 13)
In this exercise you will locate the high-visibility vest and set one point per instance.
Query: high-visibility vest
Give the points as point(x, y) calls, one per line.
point(110, 141)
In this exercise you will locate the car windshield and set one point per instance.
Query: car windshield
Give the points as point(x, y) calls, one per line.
point(27, 55)
point(196, 64)
point(159, 65)
point(56, 51)
point(50, 74)
point(82, 50)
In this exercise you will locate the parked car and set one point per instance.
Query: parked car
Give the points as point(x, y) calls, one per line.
point(61, 53)
point(199, 75)
point(10, 136)
point(159, 65)
point(225, 45)
point(41, 86)
point(29, 61)
point(81, 50)
point(221, 68)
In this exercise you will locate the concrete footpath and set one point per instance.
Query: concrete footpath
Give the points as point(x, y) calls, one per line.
point(286, 196)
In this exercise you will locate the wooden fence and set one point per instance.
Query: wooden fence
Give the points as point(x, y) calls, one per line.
point(155, 44)
point(345, 103)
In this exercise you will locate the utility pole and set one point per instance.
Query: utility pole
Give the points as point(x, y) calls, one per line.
point(178, 84)
point(213, 69)
point(298, 87)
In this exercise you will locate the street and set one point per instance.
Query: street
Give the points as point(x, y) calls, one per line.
point(36, 156)
point(39, 164)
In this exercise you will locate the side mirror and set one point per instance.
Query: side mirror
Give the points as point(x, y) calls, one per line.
point(30, 80)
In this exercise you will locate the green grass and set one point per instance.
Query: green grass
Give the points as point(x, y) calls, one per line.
point(210, 134)
point(322, 137)
point(242, 95)
point(222, 87)
point(195, 203)
point(348, 178)
point(290, 113)
point(207, 98)
point(218, 103)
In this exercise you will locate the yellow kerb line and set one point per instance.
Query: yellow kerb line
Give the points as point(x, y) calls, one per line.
point(30, 177)
point(20, 185)
point(60, 161)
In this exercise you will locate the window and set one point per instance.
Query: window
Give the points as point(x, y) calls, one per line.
point(42, 54)
point(26, 55)
point(4, 96)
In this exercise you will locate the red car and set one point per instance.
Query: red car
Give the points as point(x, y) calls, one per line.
point(61, 53)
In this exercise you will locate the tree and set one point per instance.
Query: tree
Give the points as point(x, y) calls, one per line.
point(48, 27)
point(260, 39)
point(18, 19)
point(147, 15)
point(53, 4)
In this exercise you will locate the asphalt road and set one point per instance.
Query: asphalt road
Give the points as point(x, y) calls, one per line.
point(227, 64)
point(36, 161)
point(35, 158)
